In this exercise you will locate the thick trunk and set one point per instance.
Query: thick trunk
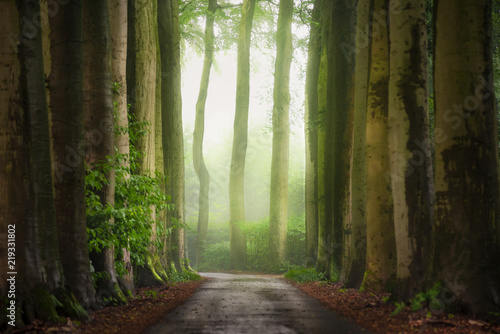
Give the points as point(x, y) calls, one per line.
point(411, 167)
point(354, 268)
point(465, 240)
point(338, 130)
point(66, 104)
point(281, 137)
point(118, 20)
point(381, 249)
point(199, 128)
point(237, 172)
point(99, 126)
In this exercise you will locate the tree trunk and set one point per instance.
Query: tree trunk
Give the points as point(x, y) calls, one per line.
point(100, 127)
point(411, 167)
point(381, 249)
point(338, 131)
point(354, 268)
point(144, 44)
point(199, 128)
point(325, 242)
point(311, 134)
point(66, 104)
point(118, 20)
point(281, 137)
point(237, 172)
point(465, 237)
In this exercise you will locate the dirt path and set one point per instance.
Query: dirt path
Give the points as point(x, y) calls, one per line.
point(230, 303)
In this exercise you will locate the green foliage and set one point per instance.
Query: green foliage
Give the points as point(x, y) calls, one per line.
point(302, 275)
point(184, 276)
point(399, 308)
point(216, 256)
point(427, 299)
point(127, 224)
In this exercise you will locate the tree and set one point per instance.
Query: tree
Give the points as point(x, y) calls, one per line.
point(142, 87)
point(338, 130)
point(199, 128)
point(237, 172)
point(118, 20)
point(354, 267)
point(66, 104)
point(311, 129)
point(466, 231)
point(381, 249)
point(411, 167)
point(281, 136)
point(100, 129)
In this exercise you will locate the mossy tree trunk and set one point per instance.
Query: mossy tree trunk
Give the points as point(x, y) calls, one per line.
point(66, 104)
point(338, 130)
point(354, 267)
point(311, 135)
point(100, 129)
point(281, 137)
point(237, 172)
point(118, 20)
point(199, 129)
point(381, 248)
point(411, 167)
point(465, 236)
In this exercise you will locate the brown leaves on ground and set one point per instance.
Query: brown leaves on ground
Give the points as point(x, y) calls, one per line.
point(372, 311)
point(148, 307)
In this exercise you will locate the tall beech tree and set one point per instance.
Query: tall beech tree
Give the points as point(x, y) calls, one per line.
point(199, 130)
point(281, 136)
point(67, 111)
point(99, 126)
point(466, 231)
point(118, 20)
point(380, 272)
point(411, 167)
point(354, 268)
point(237, 172)
point(338, 130)
point(311, 135)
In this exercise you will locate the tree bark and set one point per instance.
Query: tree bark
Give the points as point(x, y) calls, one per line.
point(281, 137)
point(199, 128)
point(465, 236)
point(411, 167)
point(66, 104)
point(354, 267)
point(100, 127)
point(311, 135)
point(118, 20)
point(237, 172)
point(381, 249)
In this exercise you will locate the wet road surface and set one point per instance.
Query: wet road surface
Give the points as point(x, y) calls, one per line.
point(230, 303)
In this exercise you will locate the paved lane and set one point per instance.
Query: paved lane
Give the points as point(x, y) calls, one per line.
point(230, 303)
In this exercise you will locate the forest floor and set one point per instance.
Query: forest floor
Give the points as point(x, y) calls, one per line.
point(370, 310)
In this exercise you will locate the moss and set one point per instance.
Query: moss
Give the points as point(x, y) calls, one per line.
point(70, 305)
point(45, 305)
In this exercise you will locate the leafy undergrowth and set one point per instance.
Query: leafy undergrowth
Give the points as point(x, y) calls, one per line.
point(148, 307)
point(373, 312)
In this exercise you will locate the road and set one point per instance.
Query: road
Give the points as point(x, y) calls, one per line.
point(229, 303)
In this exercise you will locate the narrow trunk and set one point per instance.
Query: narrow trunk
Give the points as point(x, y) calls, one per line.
point(281, 137)
point(311, 134)
point(99, 128)
point(465, 240)
point(381, 249)
point(66, 104)
point(237, 172)
point(411, 167)
point(354, 268)
point(199, 128)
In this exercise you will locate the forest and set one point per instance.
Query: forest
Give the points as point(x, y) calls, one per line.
point(143, 141)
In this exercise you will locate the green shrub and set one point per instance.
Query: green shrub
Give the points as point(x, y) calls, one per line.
point(302, 275)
